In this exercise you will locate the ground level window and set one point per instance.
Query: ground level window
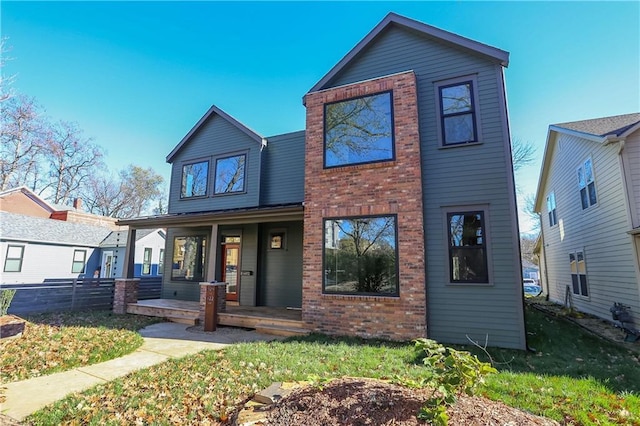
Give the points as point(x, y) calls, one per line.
point(467, 247)
point(189, 254)
point(13, 260)
point(161, 262)
point(361, 256)
point(79, 257)
point(146, 261)
point(578, 273)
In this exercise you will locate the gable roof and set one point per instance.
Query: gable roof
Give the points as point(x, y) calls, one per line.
point(112, 240)
point(615, 126)
point(217, 111)
point(18, 227)
point(30, 194)
point(602, 130)
point(393, 19)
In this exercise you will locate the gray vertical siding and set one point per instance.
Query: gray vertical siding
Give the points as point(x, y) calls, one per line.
point(281, 270)
point(216, 138)
point(600, 230)
point(248, 262)
point(283, 169)
point(458, 176)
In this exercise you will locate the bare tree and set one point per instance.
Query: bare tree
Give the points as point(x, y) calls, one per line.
point(6, 81)
point(522, 153)
point(70, 159)
point(22, 133)
point(129, 195)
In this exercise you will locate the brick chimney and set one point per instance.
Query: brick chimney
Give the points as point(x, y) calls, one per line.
point(77, 203)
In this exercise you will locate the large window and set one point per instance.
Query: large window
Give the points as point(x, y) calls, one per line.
point(79, 258)
point(578, 273)
point(458, 111)
point(189, 254)
point(146, 261)
point(551, 208)
point(13, 260)
point(230, 174)
point(467, 247)
point(194, 179)
point(361, 256)
point(359, 130)
point(587, 184)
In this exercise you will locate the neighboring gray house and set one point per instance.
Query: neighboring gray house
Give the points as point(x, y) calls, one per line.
point(148, 258)
point(589, 201)
point(33, 249)
point(392, 215)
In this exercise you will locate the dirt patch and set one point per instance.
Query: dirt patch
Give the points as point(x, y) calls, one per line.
point(355, 402)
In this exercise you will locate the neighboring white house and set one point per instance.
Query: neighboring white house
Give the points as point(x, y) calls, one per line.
point(589, 201)
point(149, 253)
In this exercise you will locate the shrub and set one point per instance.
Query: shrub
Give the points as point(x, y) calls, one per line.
point(6, 296)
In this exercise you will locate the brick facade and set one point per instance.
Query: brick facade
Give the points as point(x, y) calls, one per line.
point(125, 292)
point(391, 187)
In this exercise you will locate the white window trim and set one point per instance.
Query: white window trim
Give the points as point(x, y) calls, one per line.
point(595, 184)
point(476, 108)
point(150, 260)
point(586, 274)
point(484, 208)
point(555, 208)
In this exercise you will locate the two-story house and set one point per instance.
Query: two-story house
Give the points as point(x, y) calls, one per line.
point(391, 215)
point(589, 201)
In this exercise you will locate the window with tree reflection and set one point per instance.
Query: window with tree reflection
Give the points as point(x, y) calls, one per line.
point(457, 113)
point(230, 173)
point(194, 179)
point(360, 256)
point(189, 254)
point(359, 130)
point(467, 247)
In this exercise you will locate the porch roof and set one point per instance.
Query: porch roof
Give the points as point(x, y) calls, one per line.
point(222, 217)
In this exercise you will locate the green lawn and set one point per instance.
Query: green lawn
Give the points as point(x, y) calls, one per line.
point(61, 341)
point(574, 378)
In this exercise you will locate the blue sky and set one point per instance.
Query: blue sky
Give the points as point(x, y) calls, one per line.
point(136, 76)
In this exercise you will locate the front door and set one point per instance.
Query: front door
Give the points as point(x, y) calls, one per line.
point(230, 260)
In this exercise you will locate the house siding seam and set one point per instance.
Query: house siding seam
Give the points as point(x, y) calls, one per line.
point(393, 187)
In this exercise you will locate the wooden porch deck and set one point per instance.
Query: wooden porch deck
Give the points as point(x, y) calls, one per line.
point(268, 320)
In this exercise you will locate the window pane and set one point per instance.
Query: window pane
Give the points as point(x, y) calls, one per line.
point(14, 252)
point(12, 265)
point(230, 174)
point(161, 262)
point(588, 171)
point(555, 218)
point(79, 256)
point(583, 285)
point(467, 255)
point(581, 182)
point(458, 129)
point(584, 198)
point(572, 263)
point(360, 256)
point(592, 193)
point(456, 99)
point(146, 262)
point(359, 130)
point(575, 284)
point(188, 258)
point(194, 179)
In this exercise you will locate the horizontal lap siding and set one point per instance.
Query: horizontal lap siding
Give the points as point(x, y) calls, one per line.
point(217, 137)
point(601, 230)
point(453, 176)
point(181, 290)
point(632, 152)
point(281, 272)
point(283, 170)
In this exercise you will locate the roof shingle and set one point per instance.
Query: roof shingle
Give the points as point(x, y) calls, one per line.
point(614, 126)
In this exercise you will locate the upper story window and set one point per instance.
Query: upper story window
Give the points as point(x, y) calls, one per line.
point(13, 260)
point(458, 111)
point(467, 247)
point(361, 256)
point(359, 130)
point(230, 174)
point(551, 208)
point(587, 184)
point(194, 179)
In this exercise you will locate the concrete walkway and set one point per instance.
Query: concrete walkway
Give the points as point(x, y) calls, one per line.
point(162, 341)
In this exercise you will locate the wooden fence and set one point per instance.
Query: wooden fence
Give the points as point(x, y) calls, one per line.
point(57, 295)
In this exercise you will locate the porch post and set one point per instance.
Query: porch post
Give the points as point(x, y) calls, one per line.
point(125, 292)
point(213, 253)
point(129, 254)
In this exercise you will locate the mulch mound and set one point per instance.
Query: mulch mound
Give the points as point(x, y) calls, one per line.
point(355, 401)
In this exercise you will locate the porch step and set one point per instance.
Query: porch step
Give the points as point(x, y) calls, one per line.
point(239, 320)
point(278, 330)
point(182, 316)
